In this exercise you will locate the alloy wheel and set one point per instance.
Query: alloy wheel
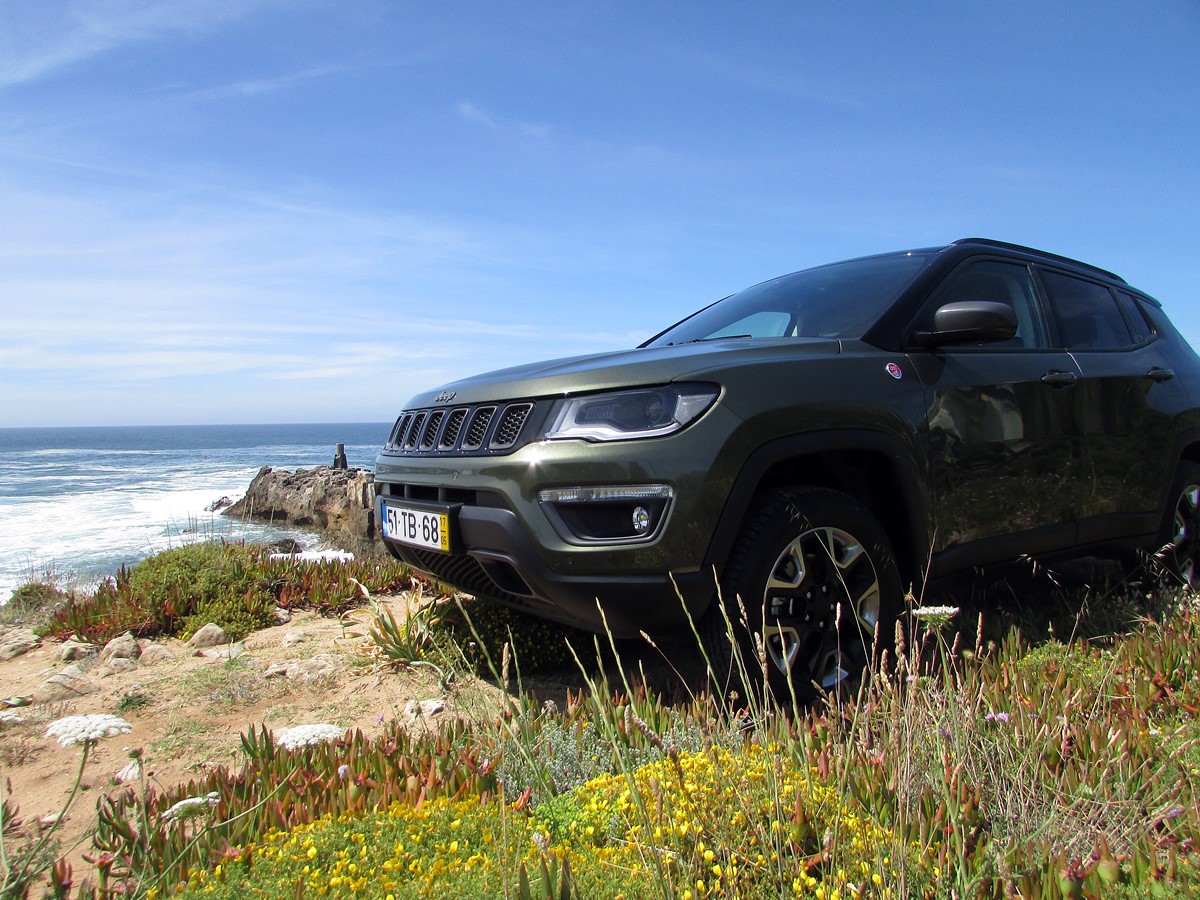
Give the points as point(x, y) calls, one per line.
point(1185, 545)
point(822, 601)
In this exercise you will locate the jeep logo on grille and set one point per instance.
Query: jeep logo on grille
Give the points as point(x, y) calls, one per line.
point(445, 397)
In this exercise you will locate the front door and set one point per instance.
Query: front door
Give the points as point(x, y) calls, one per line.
point(1004, 447)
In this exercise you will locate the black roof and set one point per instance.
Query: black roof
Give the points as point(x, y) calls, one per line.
point(1042, 253)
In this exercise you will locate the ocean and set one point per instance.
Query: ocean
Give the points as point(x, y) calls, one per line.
point(77, 503)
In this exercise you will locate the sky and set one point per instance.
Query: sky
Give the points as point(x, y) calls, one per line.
point(240, 211)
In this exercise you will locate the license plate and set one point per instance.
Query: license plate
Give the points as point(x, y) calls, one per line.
point(417, 527)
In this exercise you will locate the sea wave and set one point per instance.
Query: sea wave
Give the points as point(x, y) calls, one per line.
point(79, 513)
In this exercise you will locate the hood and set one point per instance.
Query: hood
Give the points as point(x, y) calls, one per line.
point(640, 367)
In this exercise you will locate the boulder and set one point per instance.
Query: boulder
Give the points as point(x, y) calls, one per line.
point(156, 653)
point(210, 635)
point(417, 710)
point(230, 651)
point(320, 666)
point(66, 684)
point(17, 641)
point(124, 646)
point(75, 649)
point(116, 665)
point(335, 503)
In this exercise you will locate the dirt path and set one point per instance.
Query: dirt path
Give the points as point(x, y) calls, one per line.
point(187, 713)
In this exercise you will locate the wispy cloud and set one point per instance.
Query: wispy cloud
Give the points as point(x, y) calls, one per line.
point(109, 295)
point(39, 37)
point(471, 112)
point(273, 85)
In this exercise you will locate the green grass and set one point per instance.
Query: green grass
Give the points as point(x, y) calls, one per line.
point(1049, 751)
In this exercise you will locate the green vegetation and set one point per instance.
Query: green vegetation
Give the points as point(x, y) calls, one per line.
point(234, 585)
point(968, 766)
point(34, 602)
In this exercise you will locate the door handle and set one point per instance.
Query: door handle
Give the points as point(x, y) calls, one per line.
point(1160, 375)
point(1059, 379)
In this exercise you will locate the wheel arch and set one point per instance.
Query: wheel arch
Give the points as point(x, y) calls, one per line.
point(872, 467)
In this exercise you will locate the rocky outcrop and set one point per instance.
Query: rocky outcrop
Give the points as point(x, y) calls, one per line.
point(335, 503)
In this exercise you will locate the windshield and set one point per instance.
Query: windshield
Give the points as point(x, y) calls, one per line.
point(840, 300)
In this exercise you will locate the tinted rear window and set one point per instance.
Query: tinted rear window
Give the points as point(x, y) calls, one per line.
point(1087, 314)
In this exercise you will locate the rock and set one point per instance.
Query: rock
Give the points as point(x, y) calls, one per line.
point(132, 772)
point(282, 615)
point(156, 653)
point(115, 666)
point(210, 635)
point(218, 504)
point(123, 647)
point(231, 651)
point(336, 503)
point(16, 641)
point(292, 638)
point(64, 685)
point(76, 649)
point(320, 666)
point(416, 710)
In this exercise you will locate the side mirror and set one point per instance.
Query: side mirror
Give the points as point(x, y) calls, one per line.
point(969, 322)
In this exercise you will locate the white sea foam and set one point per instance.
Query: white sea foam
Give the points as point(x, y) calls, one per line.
point(80, 514)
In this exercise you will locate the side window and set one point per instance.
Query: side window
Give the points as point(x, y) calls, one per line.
point(999, 282)
point(1087, 314)
point(1133, 314)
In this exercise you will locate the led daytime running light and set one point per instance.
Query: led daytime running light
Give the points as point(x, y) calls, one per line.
point(602, 494)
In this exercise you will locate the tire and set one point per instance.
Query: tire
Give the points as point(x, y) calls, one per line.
point(1180, 534)
point(802, 553)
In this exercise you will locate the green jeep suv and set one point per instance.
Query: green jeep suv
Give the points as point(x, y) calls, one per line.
point(812, 445)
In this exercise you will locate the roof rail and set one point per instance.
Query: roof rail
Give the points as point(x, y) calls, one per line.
point(1007, 246)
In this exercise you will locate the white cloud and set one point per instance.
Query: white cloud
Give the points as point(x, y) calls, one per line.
point(143, 304)
point(474, 114)
point(38, 37)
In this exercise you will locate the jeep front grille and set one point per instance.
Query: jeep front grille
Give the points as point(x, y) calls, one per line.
point(484, 428)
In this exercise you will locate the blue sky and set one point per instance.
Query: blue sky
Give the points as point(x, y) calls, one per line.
point(307, 210)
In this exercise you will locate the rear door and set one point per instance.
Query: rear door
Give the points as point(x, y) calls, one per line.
point(1004, 447)
point(1124, 404)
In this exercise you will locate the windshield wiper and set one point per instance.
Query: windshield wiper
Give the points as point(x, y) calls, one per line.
point(715, 337)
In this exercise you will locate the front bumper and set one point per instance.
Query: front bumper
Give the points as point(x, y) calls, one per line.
point(498, 561)
point(509, 547)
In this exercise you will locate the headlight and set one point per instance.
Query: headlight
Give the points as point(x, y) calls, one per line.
point(625, 415)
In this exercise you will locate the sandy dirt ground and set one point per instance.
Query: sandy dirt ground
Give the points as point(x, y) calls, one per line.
point(195, 709)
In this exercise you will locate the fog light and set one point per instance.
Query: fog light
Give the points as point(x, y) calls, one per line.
point(607, 514)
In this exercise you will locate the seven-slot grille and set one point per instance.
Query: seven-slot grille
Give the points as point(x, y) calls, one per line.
point(483, 428)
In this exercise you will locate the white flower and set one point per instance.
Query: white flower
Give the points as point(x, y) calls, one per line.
point(306, 735)
point(935, 615)
point(87, 729)
point(190, 807)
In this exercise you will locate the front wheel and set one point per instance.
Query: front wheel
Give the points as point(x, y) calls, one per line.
point(817, 580)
